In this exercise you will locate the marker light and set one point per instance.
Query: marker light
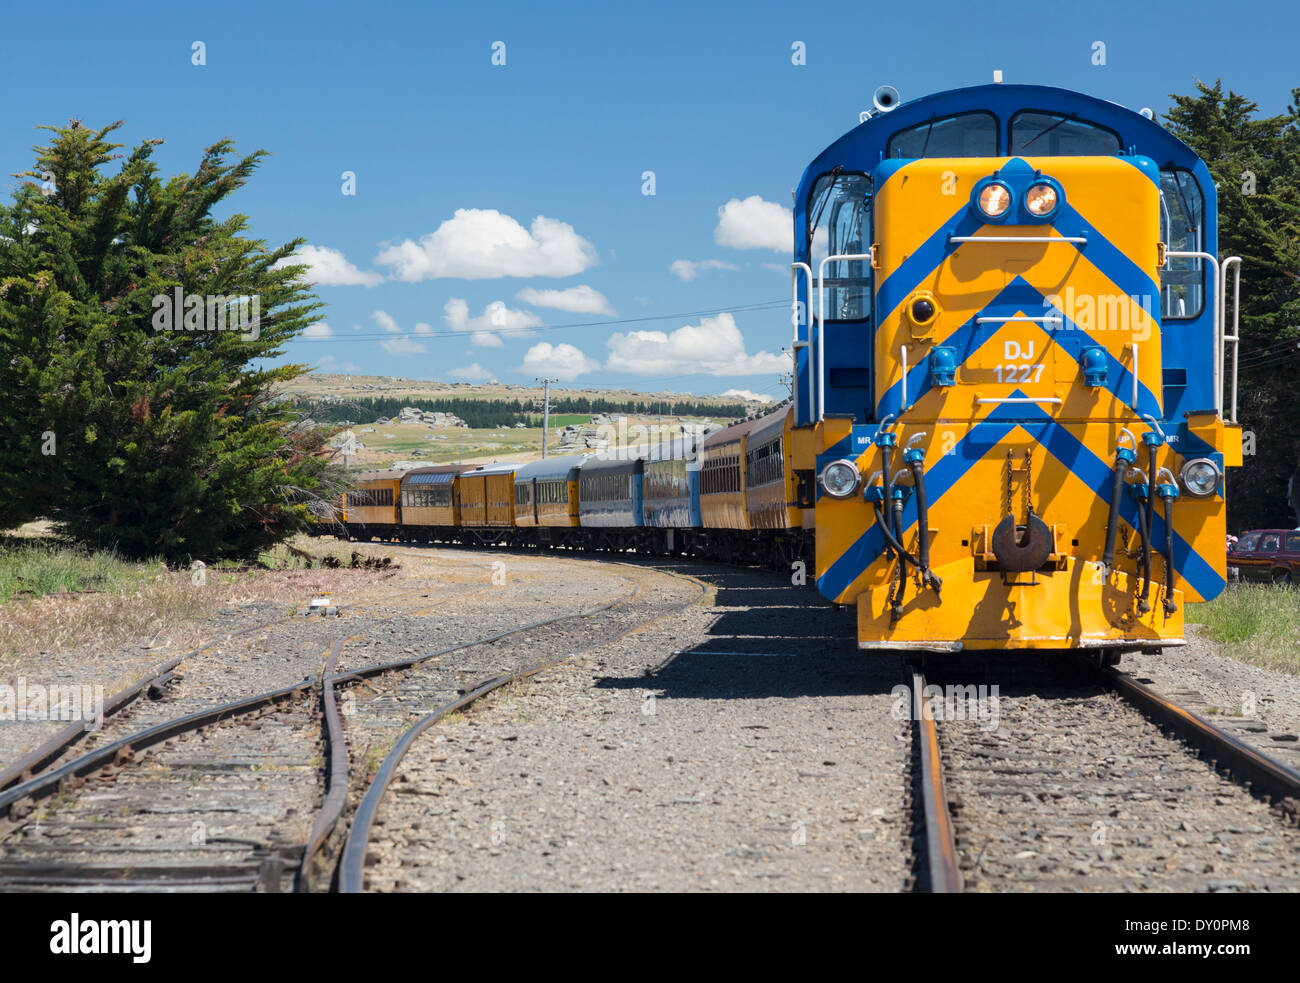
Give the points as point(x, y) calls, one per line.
point(995, 199)
point(1200, 477)
point(840, 479)
point(1041, 200)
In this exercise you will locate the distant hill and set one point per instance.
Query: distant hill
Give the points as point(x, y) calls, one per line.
point(320, 386)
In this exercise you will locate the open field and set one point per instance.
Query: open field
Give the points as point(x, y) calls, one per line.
point(384, 444)
point(55, 595)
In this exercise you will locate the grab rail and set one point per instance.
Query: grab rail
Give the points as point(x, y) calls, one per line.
point(1235, 337)
point(797, 344)
point(1076, 240)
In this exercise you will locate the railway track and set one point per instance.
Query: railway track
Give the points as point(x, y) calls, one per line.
point(211, 800)
point(154, 682)
point(1091, 782)
point(538, 646)
point(243, 795)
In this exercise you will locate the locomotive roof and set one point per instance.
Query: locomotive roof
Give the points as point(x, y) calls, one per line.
point(862, 148)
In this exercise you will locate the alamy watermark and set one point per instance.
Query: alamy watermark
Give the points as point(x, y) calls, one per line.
point(653, 441)
point(947, 703)
point(34, 702)
point(179, 311)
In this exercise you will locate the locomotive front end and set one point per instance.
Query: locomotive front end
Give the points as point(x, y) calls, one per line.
point(1027, 460)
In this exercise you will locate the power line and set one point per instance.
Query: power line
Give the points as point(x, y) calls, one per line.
point(526, 331)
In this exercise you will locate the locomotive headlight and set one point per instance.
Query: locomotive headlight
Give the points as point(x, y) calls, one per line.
point(1041, 200)
point(1200, 477)
point(840, 479)
point(995, 199)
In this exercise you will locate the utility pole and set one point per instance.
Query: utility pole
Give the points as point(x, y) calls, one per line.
point(546, 412)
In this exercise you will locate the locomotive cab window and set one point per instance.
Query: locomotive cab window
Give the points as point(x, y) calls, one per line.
point(839, 224)
point(1182, 226)
point(962, 135)
point(1042, 134)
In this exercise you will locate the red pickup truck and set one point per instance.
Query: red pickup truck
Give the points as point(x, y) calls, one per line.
point(1267, 556)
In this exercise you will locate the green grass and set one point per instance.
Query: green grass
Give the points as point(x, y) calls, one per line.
point(36, 569)
point(1256, 623)
point(562, 420)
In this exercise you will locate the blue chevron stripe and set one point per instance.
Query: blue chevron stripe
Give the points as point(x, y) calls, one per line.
point(974, 446)
point(1018, 295)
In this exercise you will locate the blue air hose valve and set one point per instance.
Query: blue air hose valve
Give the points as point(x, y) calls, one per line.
point(1095, 366)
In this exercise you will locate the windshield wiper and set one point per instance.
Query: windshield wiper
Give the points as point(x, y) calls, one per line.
point(836, 171)
point(1063, 119)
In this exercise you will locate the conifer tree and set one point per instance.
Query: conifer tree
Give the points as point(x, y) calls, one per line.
point(167, 438)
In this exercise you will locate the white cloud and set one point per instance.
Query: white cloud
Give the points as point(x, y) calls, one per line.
point(330, 268)
point(688, 270)
point(385, 321)
point(318, 330)
point(331, 364)
point(715, 346)
point(484, 244)
point(423, 330)
point(748, 395)
point(472, 372)
point(563, 361)
point(486, 329)
point(402, 346)
point(755, 224)
point(577, 300)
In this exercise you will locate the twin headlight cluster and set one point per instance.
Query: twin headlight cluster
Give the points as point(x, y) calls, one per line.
point(995, 199)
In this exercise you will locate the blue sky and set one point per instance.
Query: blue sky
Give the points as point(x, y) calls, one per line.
point(456, 158)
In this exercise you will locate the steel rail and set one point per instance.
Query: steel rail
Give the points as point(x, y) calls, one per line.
point(42, 757)
point(336, 787)
point(49, 781)
point(942, 873)
point(1248, 764)
point(35, 761)
point(352, 864)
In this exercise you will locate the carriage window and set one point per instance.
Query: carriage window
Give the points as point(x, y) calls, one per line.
point(963, 135)
point(1182, 217)
point(1039, 134)
point(839, 224)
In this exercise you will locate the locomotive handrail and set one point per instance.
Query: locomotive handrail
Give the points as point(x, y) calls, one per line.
point(797, 344)
point(821, 321)
point(905, 407)
point(1218, 315)
point(1047, 320)
point(1235, 337)
point(1135, 377)
point(1020, 399)
point(1075, 240)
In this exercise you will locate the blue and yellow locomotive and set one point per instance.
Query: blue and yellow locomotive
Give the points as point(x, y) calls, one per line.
point(1011, 383)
